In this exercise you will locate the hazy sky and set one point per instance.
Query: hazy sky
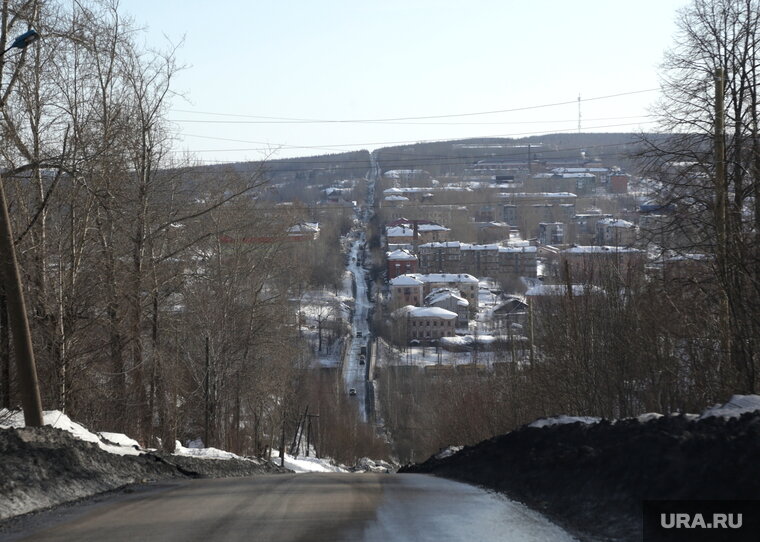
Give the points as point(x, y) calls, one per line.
point(359, 60)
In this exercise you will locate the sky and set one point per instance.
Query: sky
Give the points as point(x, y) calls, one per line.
point(257, 73)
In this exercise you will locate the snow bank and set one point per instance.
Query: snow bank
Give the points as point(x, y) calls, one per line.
point(561, 420)
point(205, 453)
point(306, 464)
point(735, 407)
point(448, 452)
point(117, 443)
point(365, 464)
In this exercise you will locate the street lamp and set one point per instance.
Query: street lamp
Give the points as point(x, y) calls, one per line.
point(22, 337)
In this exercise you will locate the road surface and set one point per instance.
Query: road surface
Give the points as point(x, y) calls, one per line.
point(313, 507)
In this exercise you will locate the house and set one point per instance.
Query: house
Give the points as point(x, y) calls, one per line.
point(494, 260)
point(406, 290)
point(304, 230)
point(551, 233)
point(425, 323)
point(594, 263)
point(411, 289)
point(616, 232)
point(451, 300)
point(414, 232)
point(619, 183)
point(527, 210)
point(400, 262)
point(512, 310)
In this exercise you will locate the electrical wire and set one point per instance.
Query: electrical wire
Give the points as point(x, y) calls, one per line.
point(396, 119)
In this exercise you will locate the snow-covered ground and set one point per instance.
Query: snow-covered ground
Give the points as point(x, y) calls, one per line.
point(115, 443)
point(302, 463)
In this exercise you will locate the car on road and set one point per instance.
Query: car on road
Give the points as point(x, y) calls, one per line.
point(352, 391)
point(358, 333)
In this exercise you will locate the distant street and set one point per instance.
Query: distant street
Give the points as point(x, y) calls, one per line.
point(313, 507)
point(354, 370)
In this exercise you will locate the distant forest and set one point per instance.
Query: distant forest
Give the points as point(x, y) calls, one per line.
point(451, 157)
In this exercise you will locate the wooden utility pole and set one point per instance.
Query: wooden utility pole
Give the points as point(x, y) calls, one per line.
point(282, 444)
point(207, 398)
point(721, 211)
point(19, 324)
point(308, 434)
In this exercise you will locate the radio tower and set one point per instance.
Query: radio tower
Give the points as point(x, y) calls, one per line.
point(579, 113)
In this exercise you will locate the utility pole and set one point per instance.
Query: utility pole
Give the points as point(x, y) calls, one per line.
point(14, 295)
point(207, 398)
point(26, 368)
point(721, 211)
point(308, 434)
point(282, 444)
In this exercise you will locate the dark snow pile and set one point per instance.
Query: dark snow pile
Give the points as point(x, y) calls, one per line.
point(47, 466)
point(592, 475)
point(365, 464)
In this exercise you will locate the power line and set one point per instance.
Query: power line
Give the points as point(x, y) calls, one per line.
point(395, 119)
point(408, 142)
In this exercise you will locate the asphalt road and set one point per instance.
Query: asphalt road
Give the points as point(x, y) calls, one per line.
point(304, 507)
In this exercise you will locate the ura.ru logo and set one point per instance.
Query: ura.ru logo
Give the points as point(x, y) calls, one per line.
point(700, 521)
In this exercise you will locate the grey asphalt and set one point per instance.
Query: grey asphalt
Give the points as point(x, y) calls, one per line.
point(303, 507)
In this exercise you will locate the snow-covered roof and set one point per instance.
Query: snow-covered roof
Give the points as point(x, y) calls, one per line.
point(393, 191)
point(554, 289)
point(616, 223)
point(431, 227)
point(442, 294)
point(399, 231)
point(447, 277)
point(304, 227)
point(560, 170)
point(431, 312)
point(593, 249)
point(396, 198)
point(442, 244)
point(529, 195)
point(400, 254)
point(405, 280)
point(576, 175)
point(520, 247)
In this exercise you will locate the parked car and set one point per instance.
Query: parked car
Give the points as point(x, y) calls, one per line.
point(358, 333)
point(352, 391)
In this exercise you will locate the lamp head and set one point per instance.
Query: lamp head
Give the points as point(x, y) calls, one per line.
point(25, 39)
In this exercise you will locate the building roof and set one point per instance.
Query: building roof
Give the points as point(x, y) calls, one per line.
point(405, 280)
point(593, 249)
point(445, 277)
point(442, 294)
point(529, 195)
point(468, 246)
point(399, 231)
point(554, 289)
point(400, 255)
point(304, 227)
point(431, 227)
point(432, 312)
point(616, 223)
point(561, 170)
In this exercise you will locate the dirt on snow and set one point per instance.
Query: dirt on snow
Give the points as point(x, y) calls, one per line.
point(592, 478)
point(44, 467)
